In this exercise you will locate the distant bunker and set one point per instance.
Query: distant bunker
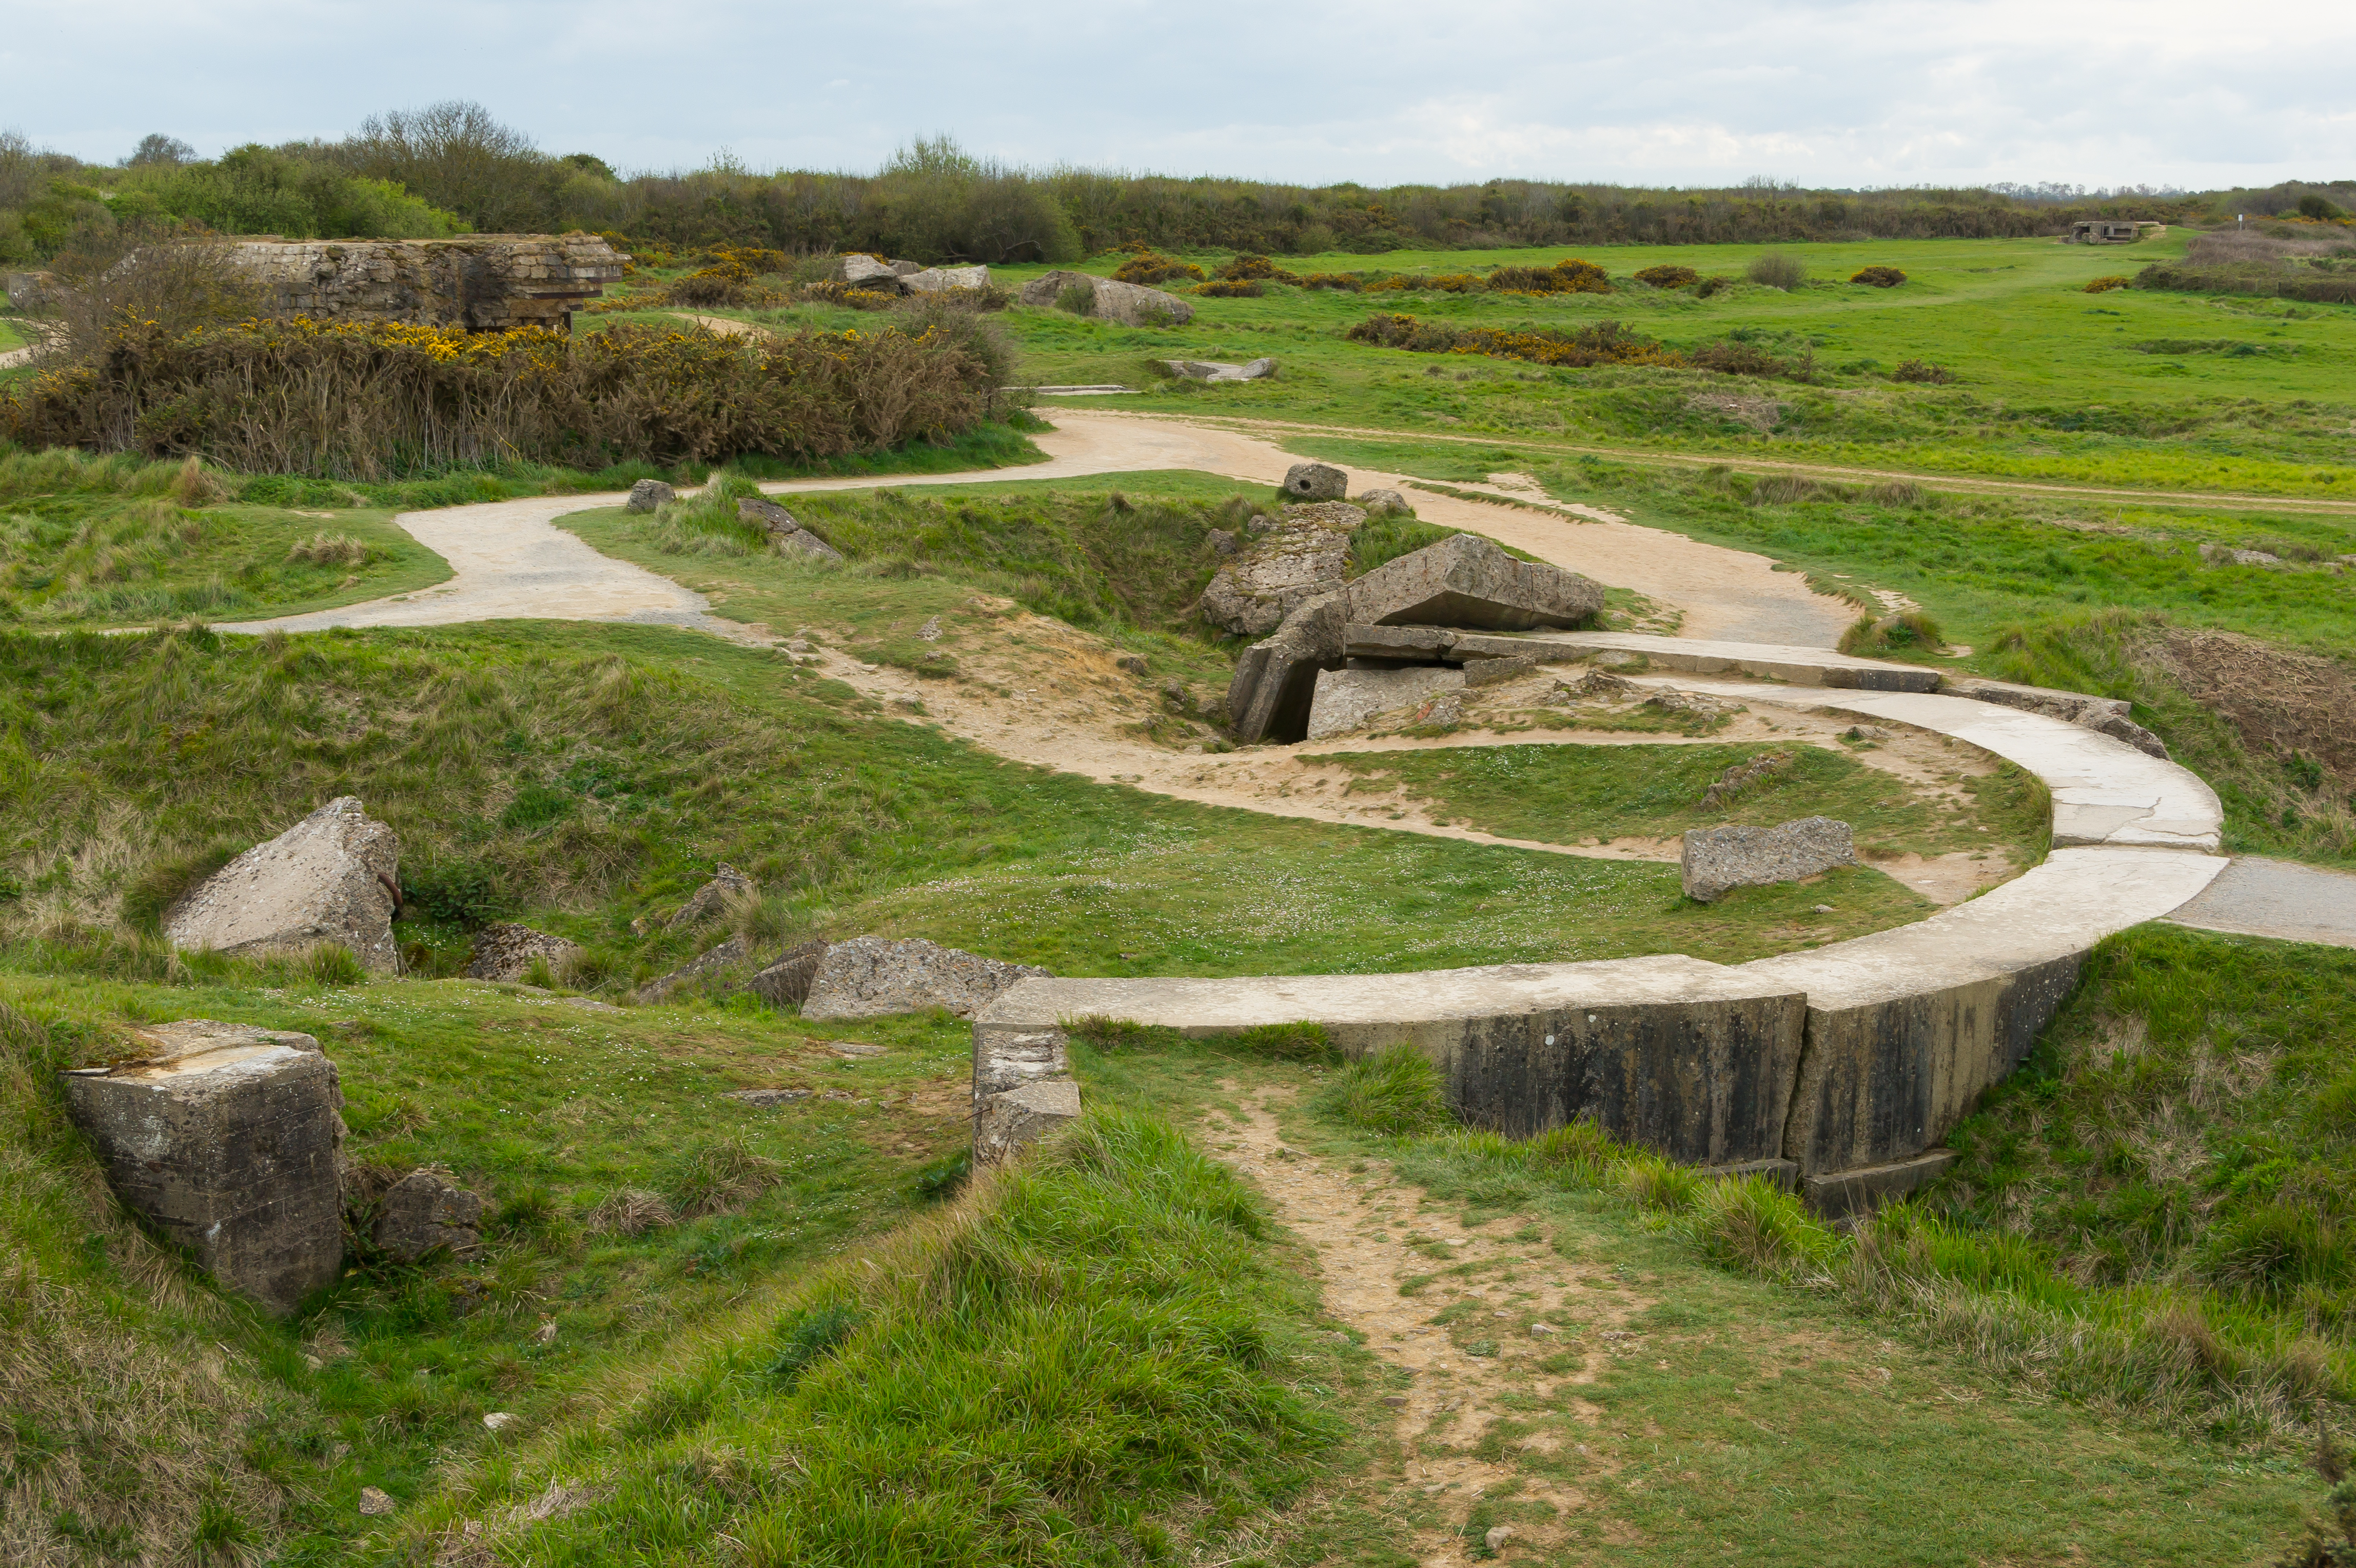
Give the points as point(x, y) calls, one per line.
point(481, 282)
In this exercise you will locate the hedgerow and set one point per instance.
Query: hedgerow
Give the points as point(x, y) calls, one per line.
point(371, 401)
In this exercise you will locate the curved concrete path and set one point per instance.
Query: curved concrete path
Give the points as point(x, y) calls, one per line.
point(509, 562)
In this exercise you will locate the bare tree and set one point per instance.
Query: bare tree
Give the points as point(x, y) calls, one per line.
point(141, 273)
point(156, 148)
point(460, 158)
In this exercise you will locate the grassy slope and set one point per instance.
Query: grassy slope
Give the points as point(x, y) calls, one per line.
point(2049, 384)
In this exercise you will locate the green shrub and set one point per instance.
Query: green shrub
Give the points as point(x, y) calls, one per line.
point(1252, 269)
point(1912, 629)
point(1716, 284)
point(1303, 1042)
point(2273, 1250)
point(1753, 1224)
point(1395, 1090)
point(1878, 277)
point(1076, 299)
point(1653, 1182)
point(1777, 270)
point(451, 892)
point(1921, 370)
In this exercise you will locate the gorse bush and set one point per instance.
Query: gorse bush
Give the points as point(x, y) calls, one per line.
point(1603, 343)
point(1878, 277)
point(1247, 269)
point(1148, 268)
point(1668, 275)
point(373, 401)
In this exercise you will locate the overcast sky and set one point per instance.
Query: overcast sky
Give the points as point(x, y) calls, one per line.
point(1699, 92)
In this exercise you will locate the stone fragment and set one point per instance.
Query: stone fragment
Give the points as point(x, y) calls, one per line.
point(228, 1140)
point(1006, 1123)
point(1441, 710)
point(865, 271)
point(1670, 700)
point(1497, 672)
point(1719, 859)
point(933, 280)
point(1498, 1535)
point(1316, 482)
point(1275, 682)
point(2227, 555)
point(931, 630)
point(375, 1501)
point(332, 878)
point(1222, 541)
point(1742, 775)
point(803, 542)
point(1384, 500)
point(1212, 371)
point(769, 1098)
point(1600, 686)
point(505, 951)
point(648, 494)
point(1350, 699)
point(1130, 305)
point(786, 982)
point(732, 951)
point(767, 514)
point(424, 1213)
point(1467, 581)
point(1134, 664)
point(1300, 557)
point(499, 1420)
point(726, 883)
point(871, 977)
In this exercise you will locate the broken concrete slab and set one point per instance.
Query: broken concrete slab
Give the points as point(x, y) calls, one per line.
point(786, 982)
point(1005, 1124)
point(1468, 580)
point(1497, 672)
point(727, 883)
point(940, 280)
point(734, 950)
point(1347, 700)
point(1275, 682)
point(1772, 662)
point(2112, 716)
point(424, 1213)
point(647, 494)
point(1718, 860)
point(330, 879)
point(1212, 370)
point(872, 977)
point(228, 1140)
point(1399, 644)
point(1841, 1194)
point(1302, 555)
point(1683, 1055)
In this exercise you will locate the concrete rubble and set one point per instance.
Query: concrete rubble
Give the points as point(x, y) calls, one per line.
point(786, 982)
point(332, 879)
point(1298, 556)
point(1718, 860)
point(424, 1213)
point(787, 534)
point(1212, 370)
point(1128, 304)
point(871, 977)
point(506, 952)
point(727, 883)
point(229, 1140)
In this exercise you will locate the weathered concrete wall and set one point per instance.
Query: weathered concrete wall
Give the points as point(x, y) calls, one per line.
point(484, 283)
point(229, 1140)
point(1690, 1058)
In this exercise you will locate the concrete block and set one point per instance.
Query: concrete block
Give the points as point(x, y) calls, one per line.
point(1465, 580)
point(786, 982)
point(229, 1141)
point(872, 977)
point(1784, 1174)
point(1497, 672)
point(1005, 1124)
point(1346, 700)
point(1718, 860)
point(332, 878)
point(1276, 680)
point(1838, 1195)
point(1398, 644)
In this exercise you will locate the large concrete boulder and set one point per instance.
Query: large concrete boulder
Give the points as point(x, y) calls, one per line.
point(506, 952)
point(1349, 699)
point(871, 977)
point(333, 877)
point(228, 1139)
point(1467, 581)
point(935, 280)
point(864, 271)
point(647, 494)
point(424, 1213)
point(1130, 305)
point(1298, 557)
point(1316, 482)
point(1718, 860)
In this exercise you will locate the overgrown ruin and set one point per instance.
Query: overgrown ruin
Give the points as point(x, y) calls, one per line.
point(483, 283)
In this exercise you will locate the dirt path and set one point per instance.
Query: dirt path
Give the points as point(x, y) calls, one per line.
point(1648, 457)
point(1376, 1241)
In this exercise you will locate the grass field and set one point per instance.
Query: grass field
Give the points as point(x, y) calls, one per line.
point(2125, 387)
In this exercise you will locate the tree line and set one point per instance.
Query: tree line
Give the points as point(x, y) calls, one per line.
point(454, 168)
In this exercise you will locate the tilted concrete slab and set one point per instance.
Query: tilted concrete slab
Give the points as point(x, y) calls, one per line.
point(1800, 666)
point(1908, 1027)
point(1683, 1056)
point(1844, 1193)
point(2105, 790)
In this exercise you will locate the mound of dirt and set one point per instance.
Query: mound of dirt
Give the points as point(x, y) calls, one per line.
point(2279, 701)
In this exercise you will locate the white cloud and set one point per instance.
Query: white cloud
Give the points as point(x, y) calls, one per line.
point(1906, 91)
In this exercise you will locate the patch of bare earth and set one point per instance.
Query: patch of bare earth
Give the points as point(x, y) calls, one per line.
point(2279, 701)
point(1490, 1412)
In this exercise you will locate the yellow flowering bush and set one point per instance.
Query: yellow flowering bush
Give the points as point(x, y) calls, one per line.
point(1148, 268)
point(367, 401)
point(2104, 285)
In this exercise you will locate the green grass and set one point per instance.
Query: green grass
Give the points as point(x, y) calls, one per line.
point(2052, 382)
point(1771, 1410)
point(1561, 794)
